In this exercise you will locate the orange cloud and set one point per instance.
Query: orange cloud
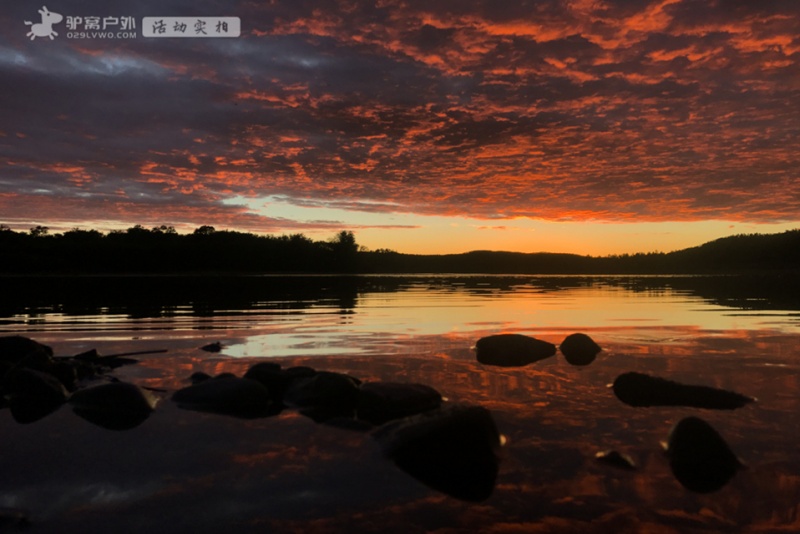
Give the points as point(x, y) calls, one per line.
point(663, 110)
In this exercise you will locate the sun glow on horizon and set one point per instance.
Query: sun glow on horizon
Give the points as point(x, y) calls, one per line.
point(384, 226)
point(428, 234)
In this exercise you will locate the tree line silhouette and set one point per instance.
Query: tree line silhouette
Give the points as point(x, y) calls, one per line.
point(163, 250)
point(206, 250)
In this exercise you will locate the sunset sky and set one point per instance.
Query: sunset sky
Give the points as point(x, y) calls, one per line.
point(424, 126)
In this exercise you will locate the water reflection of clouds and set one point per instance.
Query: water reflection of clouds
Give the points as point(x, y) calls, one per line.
point(285, 473)
point(592, 307)
point(315, 323)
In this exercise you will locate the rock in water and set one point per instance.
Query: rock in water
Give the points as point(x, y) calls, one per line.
point(276, 379)
point(616, 459)
point(324, 389)
point(230, 395)
point(452, 450)
point(19, 349)
point(698, 456)
point(512, 350)
point(325, 397)
point(579, 349)
point(116, 406)
point(379, 402)
point(199, 376)
point(33, 394)
point(637, 389)
point(265, 369)
point(212, 347)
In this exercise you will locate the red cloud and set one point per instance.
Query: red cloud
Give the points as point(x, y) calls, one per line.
point(653, 111)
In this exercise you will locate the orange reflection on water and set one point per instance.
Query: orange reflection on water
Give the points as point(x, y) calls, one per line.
point(287, 473)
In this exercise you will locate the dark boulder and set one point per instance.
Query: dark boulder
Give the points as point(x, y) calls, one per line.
point(113, 361)
point(379, 402)
point(199, 376)
point(512, 350)
point(275, 378)
point(699, 457)
point(33, 394)
point(334, 392)
point(452, 449)
point(226, 374)
point(579, 349)
point(239, 397)
point(116, 406)
point(66, 373)
point(88, 356)
point(267, 369)
point(24, 352)
point(89, 364)
point(637, 389)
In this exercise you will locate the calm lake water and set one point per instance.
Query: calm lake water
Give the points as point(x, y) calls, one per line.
point(302, 316)
point(188, 471)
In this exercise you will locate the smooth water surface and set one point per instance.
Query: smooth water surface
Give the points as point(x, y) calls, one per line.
point(300, 316)
point(183, 471)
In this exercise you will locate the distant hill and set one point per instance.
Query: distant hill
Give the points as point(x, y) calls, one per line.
point(478, 261)
point(739, 253)
point(734, 254)
point(162, 250)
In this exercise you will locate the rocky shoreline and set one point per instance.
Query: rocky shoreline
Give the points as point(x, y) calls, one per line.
point(452, 447)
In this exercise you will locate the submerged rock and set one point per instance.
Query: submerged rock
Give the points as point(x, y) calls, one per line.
point(116, 406)
point(512, 350)
point(698, 456)
point(22, 350)
point(199, 376)
point(452, 449)
point(333, 392)
point(66, 372)
point(263, 369)
point(277, 379)
point(379, 402)
point(18, 352)
point(33, 383)
point(212, 347)
point(239, 397)
point(226, 374)
point(637, 389)
point(616, 459)
point(579, 349)
point(94, 358)
point(33, 394)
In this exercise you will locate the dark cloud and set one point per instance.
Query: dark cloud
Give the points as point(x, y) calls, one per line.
point(614, 111)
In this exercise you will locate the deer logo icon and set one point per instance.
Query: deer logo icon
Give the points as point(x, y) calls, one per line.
point(44, 28)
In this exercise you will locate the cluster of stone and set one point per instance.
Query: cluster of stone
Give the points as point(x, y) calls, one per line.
point(517, 350)
point(450, 447)
point(35, 384)
point(699, 457)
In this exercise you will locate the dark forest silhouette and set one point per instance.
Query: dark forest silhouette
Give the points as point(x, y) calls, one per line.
point(207, 250)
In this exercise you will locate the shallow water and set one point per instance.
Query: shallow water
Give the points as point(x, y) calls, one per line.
point(189, 471)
